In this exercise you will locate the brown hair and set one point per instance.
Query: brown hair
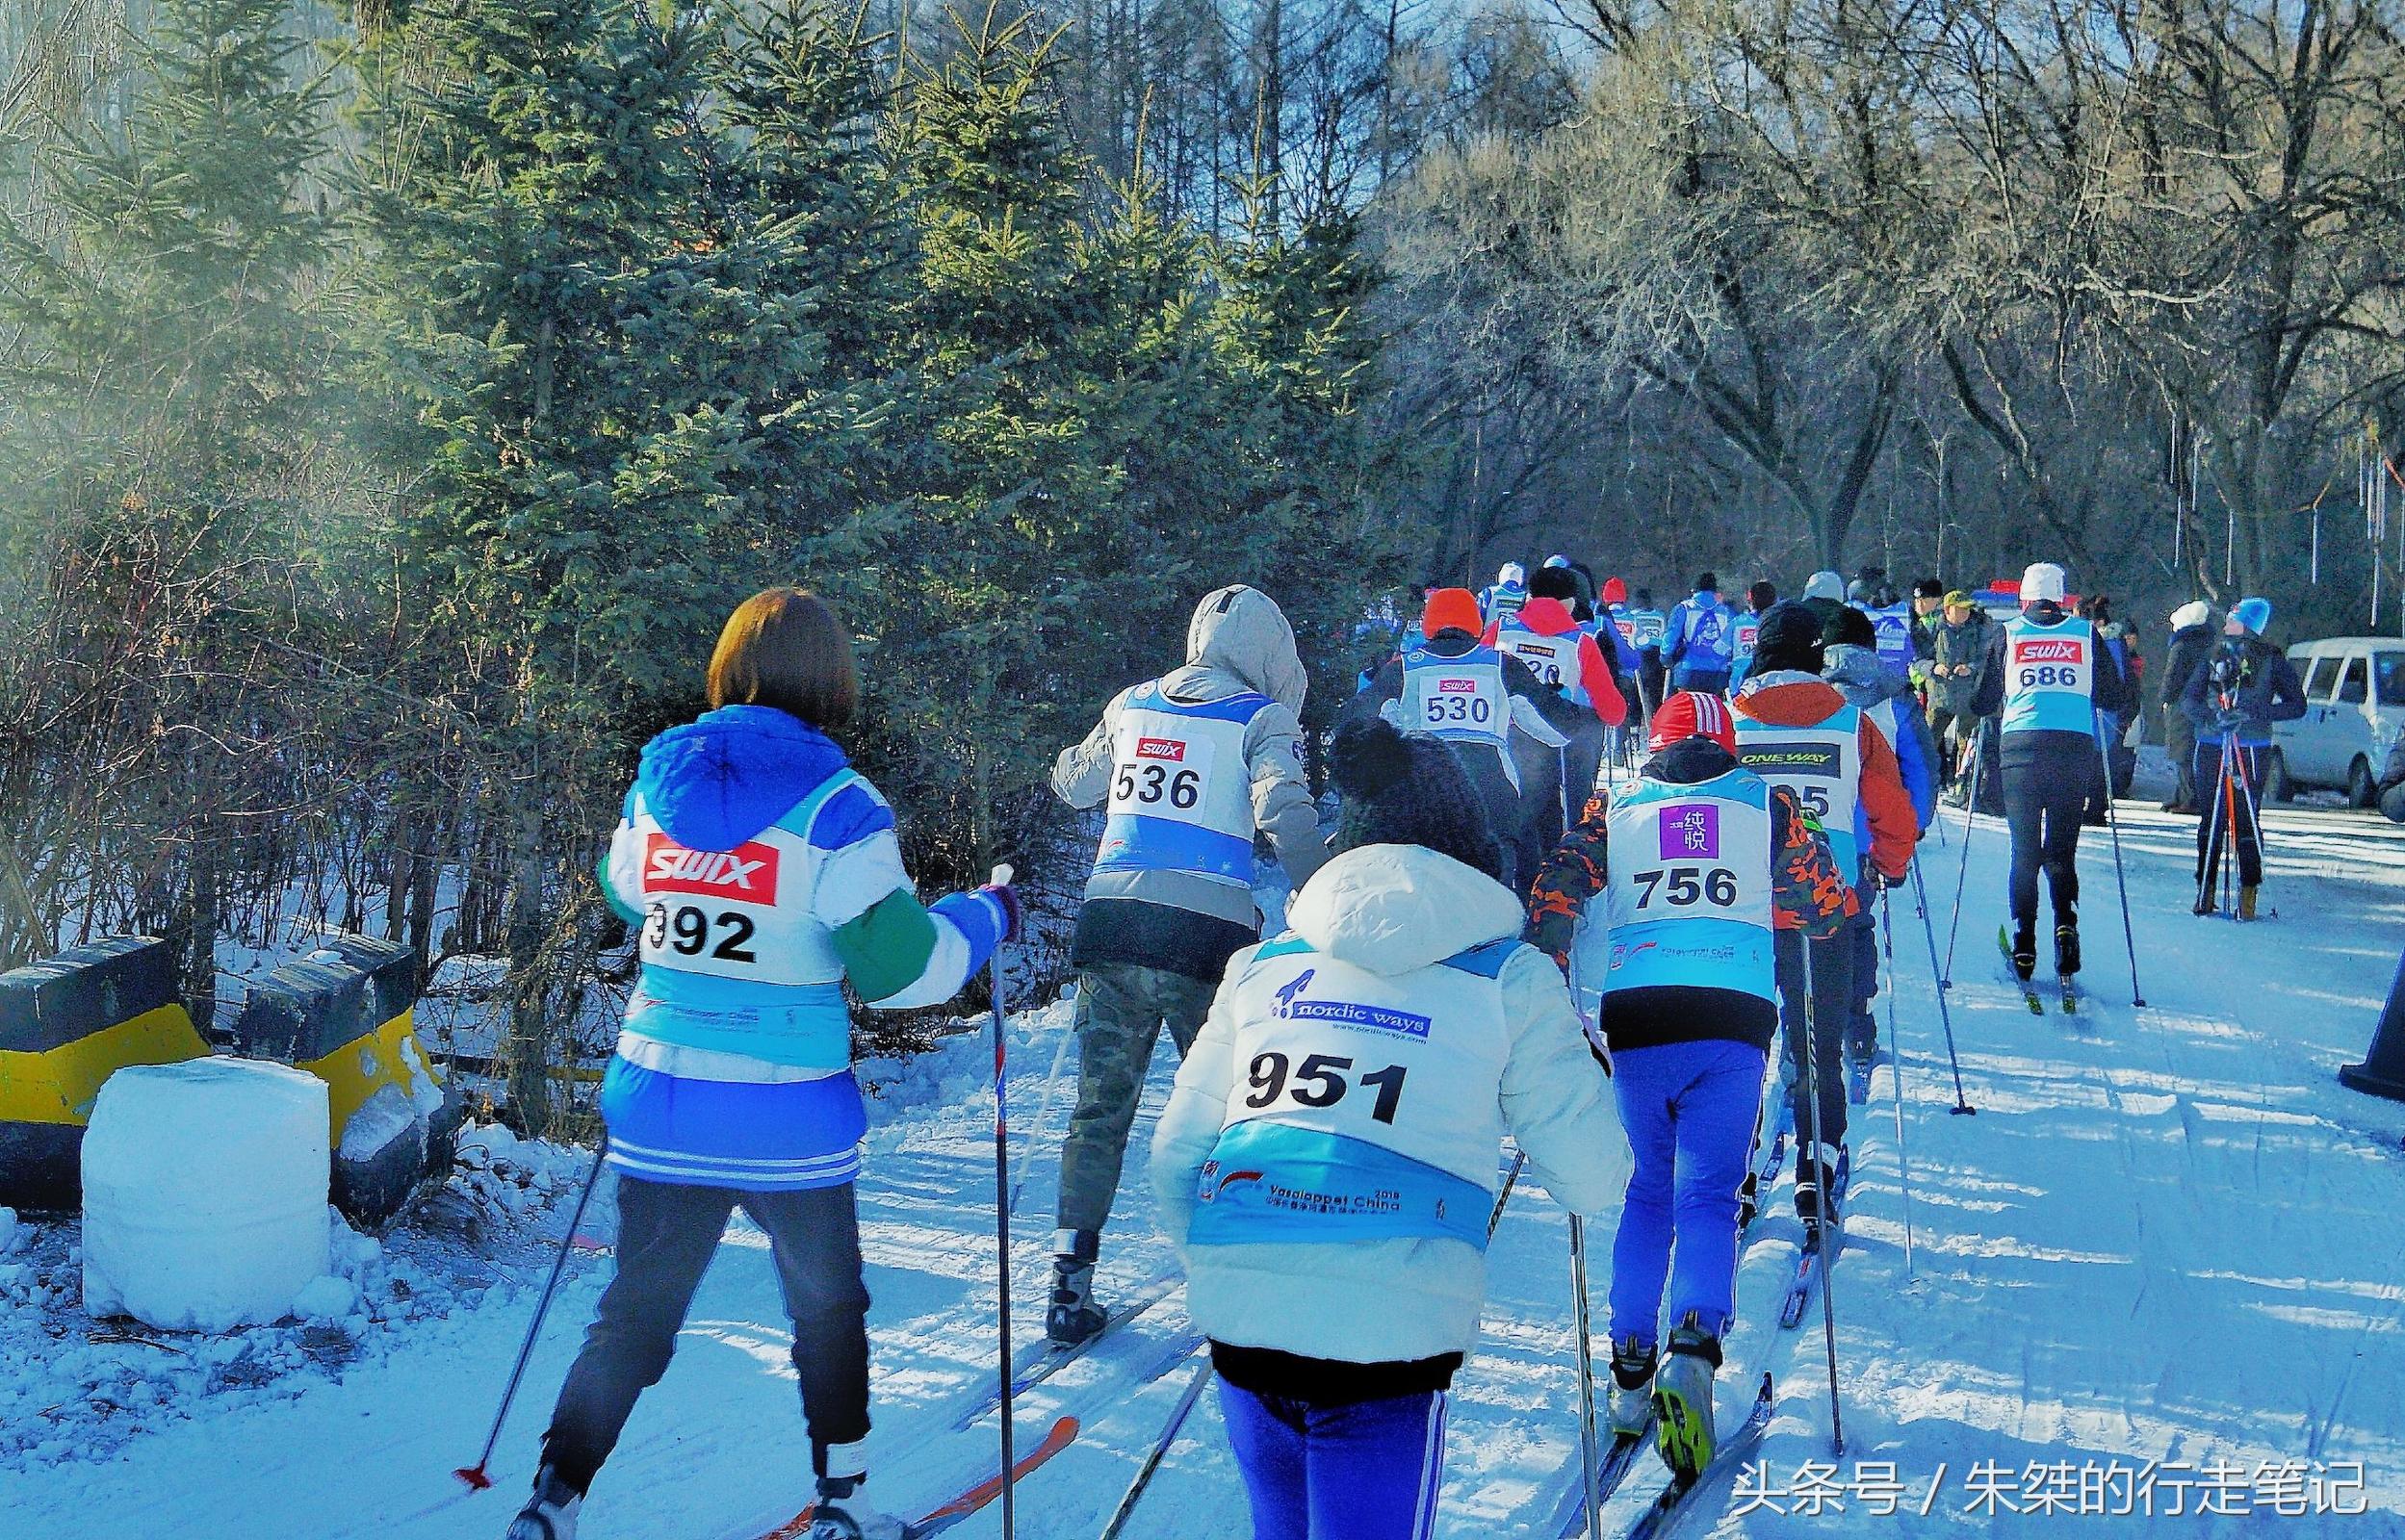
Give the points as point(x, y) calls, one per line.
point(784, 648)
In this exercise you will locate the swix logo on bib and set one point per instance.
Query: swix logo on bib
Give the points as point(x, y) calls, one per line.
point(1690, 833)
point(2060, 650)
point(747, 873)
point(1457, 686)
point(1748, 636)
point(1160, 749)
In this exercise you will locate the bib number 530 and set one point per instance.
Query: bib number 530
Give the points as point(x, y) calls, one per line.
point(1320, 1082)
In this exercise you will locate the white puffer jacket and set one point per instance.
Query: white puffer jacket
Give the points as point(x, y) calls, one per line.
point(1397, 910)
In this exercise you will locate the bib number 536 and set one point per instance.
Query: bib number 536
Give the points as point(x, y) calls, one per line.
point(1151, 785)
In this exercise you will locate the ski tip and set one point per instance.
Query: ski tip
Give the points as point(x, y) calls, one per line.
point(473, 1477)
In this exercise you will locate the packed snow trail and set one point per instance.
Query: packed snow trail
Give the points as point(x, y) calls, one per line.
point(2174, 1238)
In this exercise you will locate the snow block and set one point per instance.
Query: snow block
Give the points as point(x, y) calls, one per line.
point(204, 1193)
point(348, 1015)
point(65, 1025)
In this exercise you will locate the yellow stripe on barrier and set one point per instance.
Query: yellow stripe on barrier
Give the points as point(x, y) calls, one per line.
point(57, 1086)
point(365, 1065)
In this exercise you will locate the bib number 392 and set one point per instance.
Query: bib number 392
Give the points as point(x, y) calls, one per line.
point(688, 930)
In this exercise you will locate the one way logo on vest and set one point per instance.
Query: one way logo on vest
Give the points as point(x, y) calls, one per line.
point(2051, 650)
point(1161, 749)
point(748, 873)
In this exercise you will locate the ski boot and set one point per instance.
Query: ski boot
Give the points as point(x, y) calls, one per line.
point(1073, 1316)
point(2024, 952)
point(2246, 900)
point(1630, 1408)
point(550, 1514)
point(2066, 950)
point(1812, 1178)
point(843, 1513)
point(1682, 1398)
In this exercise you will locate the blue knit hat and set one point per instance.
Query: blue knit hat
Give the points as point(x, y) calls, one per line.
point(2255, 614)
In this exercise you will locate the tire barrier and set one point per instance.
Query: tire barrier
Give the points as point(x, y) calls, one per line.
point(348, 1015)
point(67, 1024)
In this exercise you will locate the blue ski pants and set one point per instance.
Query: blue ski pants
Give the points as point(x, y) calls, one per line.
point(1690, 1109)
point(1358, 1471)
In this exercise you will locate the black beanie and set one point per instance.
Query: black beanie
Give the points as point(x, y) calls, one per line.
point(1762, 595)
point(1850, 627)
point(1790, 638)
point(1408, 790)
point(1553, 582)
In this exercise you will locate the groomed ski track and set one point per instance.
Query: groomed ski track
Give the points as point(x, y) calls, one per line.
point(2173, 1239)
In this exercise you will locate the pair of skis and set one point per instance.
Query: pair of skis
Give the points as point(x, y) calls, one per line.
point(2066, 984)
point(1819, 1252)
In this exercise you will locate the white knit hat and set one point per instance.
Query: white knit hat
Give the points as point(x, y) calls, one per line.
point(2195, 612)
point(1825, 585)
point(2042, 580)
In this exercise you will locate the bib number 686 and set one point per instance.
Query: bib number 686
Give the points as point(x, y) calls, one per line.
point(1320, 1082)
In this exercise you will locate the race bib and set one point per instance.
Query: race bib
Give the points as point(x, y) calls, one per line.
point(1546, 656)
point(2061, 663)
point(1460, 703)
point(1160, 775)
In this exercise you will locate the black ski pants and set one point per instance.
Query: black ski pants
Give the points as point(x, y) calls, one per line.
point(2046, 790)
point(1832, 1007)
point(666, 1236)
point(2235, 805)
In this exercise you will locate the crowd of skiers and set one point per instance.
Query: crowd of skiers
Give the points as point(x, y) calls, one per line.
point(1582, 861)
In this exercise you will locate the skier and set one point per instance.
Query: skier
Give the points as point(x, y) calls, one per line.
point(1689, 1004)
point(1697, 646)
point(1648, 628)
point(764, 876)
point(1746, 631)
point(1585, 596)
point(2191, 638)
point(1190, 766)
point(2047, 672)
point(2243, 687)
point(1956, 663)
point(1566, 659)
point(1824, 594)
point(1795, 729)
point(1506, 593)
point(1881, 691)
point(1892, 629)
point(1508, 727)
point(1328, 1157)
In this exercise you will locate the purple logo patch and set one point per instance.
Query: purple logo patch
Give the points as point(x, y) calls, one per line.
point(1691, 833)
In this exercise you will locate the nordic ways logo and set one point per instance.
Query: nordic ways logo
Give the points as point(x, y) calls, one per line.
point(1291, 1005)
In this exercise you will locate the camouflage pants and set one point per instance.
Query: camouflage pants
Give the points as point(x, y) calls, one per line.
point(1121, 1011)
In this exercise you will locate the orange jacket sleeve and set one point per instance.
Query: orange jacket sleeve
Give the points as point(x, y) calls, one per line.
point(1595, 677)
point(1894, 826)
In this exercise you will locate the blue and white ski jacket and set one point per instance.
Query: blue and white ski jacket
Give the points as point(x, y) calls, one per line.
point(764, 874)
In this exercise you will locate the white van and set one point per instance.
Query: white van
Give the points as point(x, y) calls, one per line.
point(2354, 708)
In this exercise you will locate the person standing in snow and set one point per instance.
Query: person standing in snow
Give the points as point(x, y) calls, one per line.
point(1824, 595)
point(1188, 767)
point(1928, 617)
point(1508, 728)
point(1958, 664)
point(2191, 638)
point(1798, 730)
point(1746, 631)
point(1690, 1038)
point(1507, 593)
point(1696, 651)
point(1566, 659)
point(1327, 1158)
point(1884, 693)
point(764, 876)
point(2050, 677)
point(2243, 685)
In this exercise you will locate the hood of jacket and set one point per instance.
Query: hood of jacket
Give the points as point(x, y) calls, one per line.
point(717, 782)
point(1394, 907)
point(1865, 678)
point(2199, 635)
point(1787, 697)
point(1241, 632)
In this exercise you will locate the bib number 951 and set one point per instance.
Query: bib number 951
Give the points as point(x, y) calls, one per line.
point(1320, 1082)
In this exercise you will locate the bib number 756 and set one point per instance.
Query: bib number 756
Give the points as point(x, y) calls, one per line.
point(1685, 887)
point(1320, 1082)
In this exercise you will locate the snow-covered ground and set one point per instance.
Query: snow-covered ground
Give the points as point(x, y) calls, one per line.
point(2163, 1267)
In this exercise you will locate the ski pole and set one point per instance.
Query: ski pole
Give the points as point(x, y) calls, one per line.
point(1044, 1117)
point(1161, 1445)
point(1510, 1180)
point(1896, 1067)
point(1945, 1014)
point(1586, 1453)
point(475, 1475)
point(1820, 1206)
point(2120, 876)
point(1002, 1217)
point(1962, 873)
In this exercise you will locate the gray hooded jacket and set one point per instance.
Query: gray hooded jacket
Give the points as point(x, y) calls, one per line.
point(1238, 641)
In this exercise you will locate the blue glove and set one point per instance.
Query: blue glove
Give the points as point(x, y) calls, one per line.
point(1003, 894)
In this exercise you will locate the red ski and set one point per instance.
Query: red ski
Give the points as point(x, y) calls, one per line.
point(935, 1521)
